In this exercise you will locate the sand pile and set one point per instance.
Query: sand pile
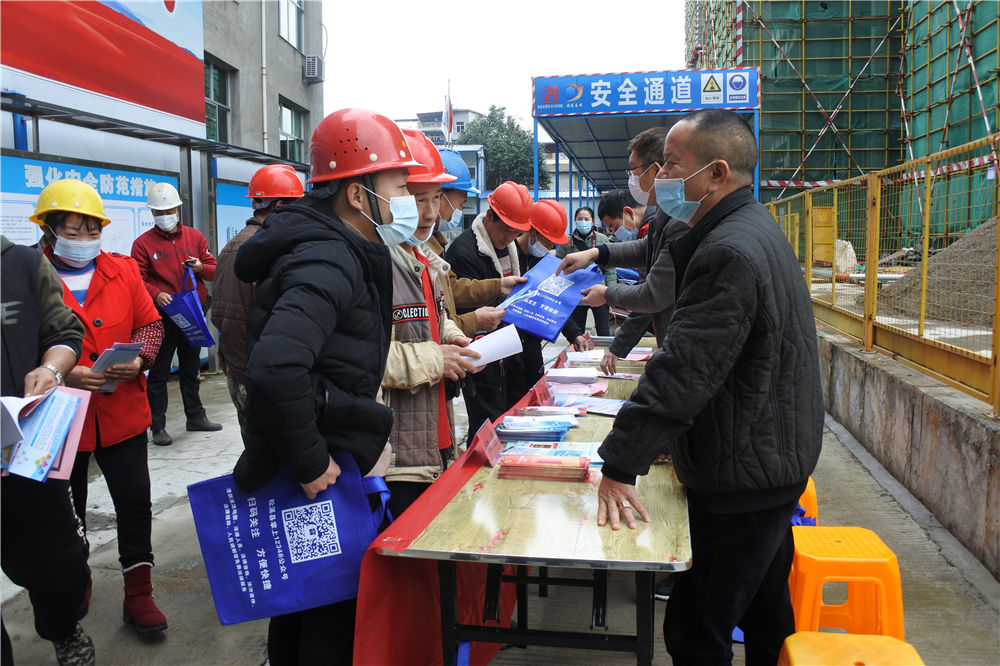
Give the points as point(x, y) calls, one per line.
point(959, 282)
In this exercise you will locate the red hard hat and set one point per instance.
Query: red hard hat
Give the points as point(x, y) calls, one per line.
point(352, 142)
point(275, 181)
point(512, 202)
point(427, 154)
point(548, 217)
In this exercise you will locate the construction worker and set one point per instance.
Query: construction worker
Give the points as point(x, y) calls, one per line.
point(319, 335)
point(453, 197)
point(548, 230)
point(270, 188)
point(164, 253)
point(106, 292)
point(463, 292)
point(487, 250)
point(427, 347)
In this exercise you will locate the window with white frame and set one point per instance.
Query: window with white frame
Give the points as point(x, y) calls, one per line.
point(217, 107)
point(290, 22)
point(291, 131)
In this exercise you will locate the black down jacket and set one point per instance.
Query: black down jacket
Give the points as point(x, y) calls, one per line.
point(735, 390)
point(318, 337)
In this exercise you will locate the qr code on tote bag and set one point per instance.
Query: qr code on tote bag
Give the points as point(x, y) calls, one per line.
point(311, 531)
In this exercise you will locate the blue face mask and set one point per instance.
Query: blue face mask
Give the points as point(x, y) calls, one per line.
point(538, 250)
point(454, 222)
point(76, 253)
point(583, 227)
point(624, 234)
point(405, 218)
point(670, 196)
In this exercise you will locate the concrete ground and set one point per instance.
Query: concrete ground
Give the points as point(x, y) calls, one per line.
point(951, 602)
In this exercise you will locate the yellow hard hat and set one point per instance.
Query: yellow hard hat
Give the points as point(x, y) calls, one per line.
point(72, 196)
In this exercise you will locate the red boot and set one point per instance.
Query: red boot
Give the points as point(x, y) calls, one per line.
point(139, 608)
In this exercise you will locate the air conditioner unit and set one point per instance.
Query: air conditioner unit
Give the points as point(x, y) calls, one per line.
point(312, 72)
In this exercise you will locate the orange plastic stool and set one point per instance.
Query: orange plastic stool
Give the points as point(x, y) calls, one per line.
point(808, 501)
point(858, 557)
point(813, 648)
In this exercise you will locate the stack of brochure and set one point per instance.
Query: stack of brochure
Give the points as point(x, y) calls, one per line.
point(549, 410)
point(580, 449)
point(541, 428)
point(599, 406)
point(543, 467)
point(574, 375)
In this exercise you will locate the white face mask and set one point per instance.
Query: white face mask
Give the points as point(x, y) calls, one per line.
point(640, 195)
point(166, 222)
point(76, 253)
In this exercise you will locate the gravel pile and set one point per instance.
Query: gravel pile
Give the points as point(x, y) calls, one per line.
point(959, 282)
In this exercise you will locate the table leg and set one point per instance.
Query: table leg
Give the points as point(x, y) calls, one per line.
point(449, 610)
point(543, 586)
point(644, 617)
point(522, 602)
point(599, 605)
point(491, 603)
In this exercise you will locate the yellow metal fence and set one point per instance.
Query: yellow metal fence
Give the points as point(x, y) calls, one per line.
point(906, 261)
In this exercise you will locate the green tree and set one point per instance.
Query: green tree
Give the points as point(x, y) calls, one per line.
point(508, 149)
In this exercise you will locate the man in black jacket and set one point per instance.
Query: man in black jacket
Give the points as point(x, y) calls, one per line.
point(318, 337)
point(734, 393)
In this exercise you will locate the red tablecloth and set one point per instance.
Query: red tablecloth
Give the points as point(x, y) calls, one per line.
point(399, 610)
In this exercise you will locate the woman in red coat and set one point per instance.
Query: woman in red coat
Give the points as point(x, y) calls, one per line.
point(107, 294)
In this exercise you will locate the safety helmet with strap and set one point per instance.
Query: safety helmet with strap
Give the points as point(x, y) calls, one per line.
point(162, 196)
point(512, 203)
point(72, 196)
point(354, 142)
point(548, 217)
point(425, 152)
point(455, 166)
point(275, 181)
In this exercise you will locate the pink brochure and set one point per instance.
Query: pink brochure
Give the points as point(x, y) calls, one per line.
point(63, 464)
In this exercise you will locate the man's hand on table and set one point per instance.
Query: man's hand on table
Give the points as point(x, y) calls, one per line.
point(608, 363)
point(616, 500)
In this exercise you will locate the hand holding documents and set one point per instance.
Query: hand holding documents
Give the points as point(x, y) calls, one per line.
point(116, 354)
point(44, 437)
point(499, 344)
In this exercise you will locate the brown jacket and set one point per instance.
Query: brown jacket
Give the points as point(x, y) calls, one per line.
point(414, 368)
point(465, 293)
point(231, 303)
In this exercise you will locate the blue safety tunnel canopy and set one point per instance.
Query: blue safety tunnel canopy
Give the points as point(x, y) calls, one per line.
point(592, 118)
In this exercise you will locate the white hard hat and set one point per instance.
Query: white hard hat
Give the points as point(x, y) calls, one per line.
point(163, 196)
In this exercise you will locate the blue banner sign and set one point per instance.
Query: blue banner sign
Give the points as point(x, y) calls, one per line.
point(646, 92)
point(123, 192)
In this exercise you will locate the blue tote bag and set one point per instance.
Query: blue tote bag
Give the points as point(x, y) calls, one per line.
point(542, 305)
point(274, 551)
point(185, 311)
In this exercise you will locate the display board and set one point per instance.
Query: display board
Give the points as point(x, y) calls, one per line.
point(232, 209)
point(123, 190)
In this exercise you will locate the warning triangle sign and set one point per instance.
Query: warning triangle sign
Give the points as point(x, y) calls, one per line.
point(711, 85)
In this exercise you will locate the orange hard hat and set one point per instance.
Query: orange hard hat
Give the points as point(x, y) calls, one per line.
point(275, 181)
point(548, 217)
point(512, 203)
point(353, 142)
point(425, 152)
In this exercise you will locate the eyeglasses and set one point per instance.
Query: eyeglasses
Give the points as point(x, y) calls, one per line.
point(629, 172)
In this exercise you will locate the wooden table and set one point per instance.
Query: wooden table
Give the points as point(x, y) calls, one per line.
point(553, 523)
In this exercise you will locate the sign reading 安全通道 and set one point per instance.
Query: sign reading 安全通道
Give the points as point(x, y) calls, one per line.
point(646, 92)
point(123, 191)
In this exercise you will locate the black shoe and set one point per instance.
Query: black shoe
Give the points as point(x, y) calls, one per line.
point(202, 424)
point(77, 649)
point(663, 588)
point(162, 438)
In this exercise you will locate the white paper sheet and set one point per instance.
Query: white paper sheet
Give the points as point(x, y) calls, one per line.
point(499, 344)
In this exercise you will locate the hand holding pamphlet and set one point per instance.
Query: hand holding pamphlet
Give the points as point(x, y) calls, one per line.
point(47, 430)
point(116, 354)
